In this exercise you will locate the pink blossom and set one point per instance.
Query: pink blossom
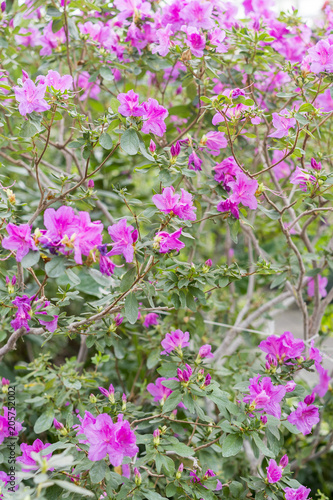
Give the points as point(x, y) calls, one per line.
point(175, 341)
point(106, 266)
point(314, 353)
point(214, 141)
point(163, 41)
point(22, 315)
point(150, 319)
point(284, 347)
point(274, 472)
point(194, 162)
point(170, 203)
point(184, 375)
point(198, 14)
point(228, 206)
point(92, 89)
point(129, 8)
point(195, 40)
point(50, 40)
point(302, 178)
point(324, 380)
point(108, 393)
point(154, 116)
point(324, 101)
point(216, 37)
point(301, 493)
point(282, 125)
point(50, 326)
point(30, 38)
point(9, 427)
point(322, 283)
point(265, 396)
point(159, 391)
point(130, 104)
point(321, 56)
point(290, 386)
point(88, 236)
point(243, 191)
point(86, 422)
point(31, 97)
point(166, 242)
point(226, 171)
point(205, 351)
point(62, 83)
point(19, 239)
point(282, 169)
point(185, 209)
point(59, 223)
point(124, 237)
point(26, 459)
point(304, 417)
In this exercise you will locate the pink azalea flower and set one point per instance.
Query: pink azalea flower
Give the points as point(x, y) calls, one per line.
point(86, 422)
point(290, 386)
point(198, 14)
point(88, 236)
point(195, 40)
point(31, 98)
point(130, 104)
point(314, 353)
point(154, 116)
point(226, 171)
point(301, 493)
point(205, 351)
point(19, 239)
point(265, 396)
point(175, 341)
point(92, 89)
point(302, 178)
point(166, 242)
point(324, 380)
point(150, 319)
point(243, 191)
point(28, 40)
point(129, 8)
point(8, 426)
point(322, 283)
point(324, 101)
point(184, 375)
point(50, 40)
point(196, 479)
point(163, 41)
point(52, 325)
point(282, 169)
point(216, 37)
point(274, 472)
point(108, 393)
point(214, 141)
point(106, 266)
point(304, 417)
point(22, 315)
point(321, 56)
point(185, 209)
point(62, 83)
point(124, 237)
point(282, 125)
point(228, 206)
point(284, 347)
point(159, 391)
point(26, 459)
point(194, 162)
point(170, 203)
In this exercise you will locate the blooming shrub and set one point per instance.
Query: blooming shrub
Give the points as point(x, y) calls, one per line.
point(165, 192)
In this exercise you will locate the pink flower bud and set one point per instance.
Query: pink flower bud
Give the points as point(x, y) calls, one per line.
point(271, 359)
point(91, 184)
point(309, 399)
point(135, 235)
point(3, 6)
point(5, 381)
point(207, 379)
point(175, 149)
point(290, 386)
point(7, 280)
point(14, 280)
point(181, 468)
point(118, 319)
point(209, 263)
point(152, 146)
point(25, 76)
point(205, 351)
point(58, 425)
point(267, 366)
point(315, 165)
point(156, 433)
point(284, 461)
point(263, 419)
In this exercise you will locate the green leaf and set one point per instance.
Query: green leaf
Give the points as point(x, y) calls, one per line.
point(98, 471)
point(66, 485)
point(127, 279)
point(232, 445)
point(44, 421)
point(291, 428)
point(114, 105)
point(306, 107)
point(172, 401)
point(129, 142)
point(106, 73)
point(181, 449)
point(131, 308)
point(30, 259)
point(55, 267)
point(28, 130)
point(105, 141)
point(73, 278)
point(261, 445)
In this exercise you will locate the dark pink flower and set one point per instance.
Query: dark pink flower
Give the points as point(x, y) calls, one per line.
point(284, 347)
point(19, 239)
point(195, 40)
point(9, 427)
point(205, 351)
point(124, 237)
point(129, 104)
point(194, 162)
point(154, 116)
point(265, 396)
point(304, 417)
point(316, 165)
point(26, 459)
point(160, 392)
point(301, 493)
point(108, 393)
point(166, 242)
point(274, 472)
point(31, 97)
point(22, 315)
point(226, 171)
point(324, 380)
point(322, 283)
point(302, 178)
point(150, 319)
point(184, 375)
point(228, 206)
point(175, 341)
point(243, 191)
point(284, 461)
point(321, 56)
point(282, 125)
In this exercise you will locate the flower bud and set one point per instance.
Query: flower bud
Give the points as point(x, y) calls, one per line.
point(118, 319)
point(290, 386)
point(284, 461)
point(267, 366)
point(271, 359)
point(3, 6)
point(152, 146)
point(309, 399)
point(156, 437)
point(175, 150)
point(10, 196)
point(138, 479)
point(207, 379)
point(315, 165)
point(124, 400)
point(263, 419)
point(92, 399)
point(91, 184)
point(25, 76)
point(58, 425)
point(179, 471)
point(209, 263)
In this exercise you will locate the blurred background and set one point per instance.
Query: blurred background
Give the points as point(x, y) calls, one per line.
point(308, 9)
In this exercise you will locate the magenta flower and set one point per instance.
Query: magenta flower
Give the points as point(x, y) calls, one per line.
point(106, 266)
point(274, 472)
point(243, 191)
point(265, 396)
point(152, 146)
point(158, 390)
point(92, 89)
point(170, 203)
point(130, 104)
point(9, 427)
point(290, 386)
point(217, 37)
point(150, 319)
point(321, 56)
point(282, 125)
point(108, 393)
point(214, 141)
point(302, 178)
point(62, 83)
point(175, 341)
point(324, 380)
point(314, 353)
point(196, 479)
point(166, 242)
point(284, 461)
point(29, 37)
point(88, 236)
point(205, 351)
point(185, 209)
point(50, 40)
point(195, 40)
point(302, 493)
point(52, 325)
point(59, 223)
point(86, 422)
point(19, 239)
point(58, 425)
point(226, 171)
point(228, 206)
point(282, 169)
point(26, 459)
point(322, 283)
point(162, 46)
point(194, 162)
point(184, 375)
point(22, 315)
point(304, 417)
point(154, 116)
point(31, 97)
point(124, 237)
point(284, 347)
point(316, 165)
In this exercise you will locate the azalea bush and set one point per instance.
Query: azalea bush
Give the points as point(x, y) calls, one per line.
point(165, 185)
